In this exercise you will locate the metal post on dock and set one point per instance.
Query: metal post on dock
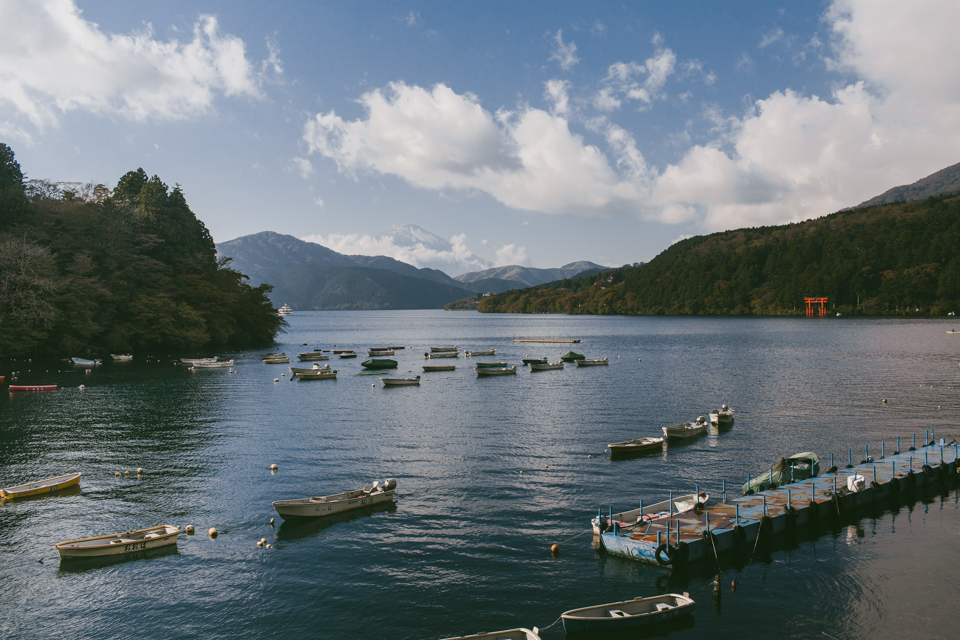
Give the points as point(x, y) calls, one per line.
point(611, 515)
point(914, 440)
point(813, 491)
point(764, 505)
point(791, 472)
point(671, 510)
point(678, 533)
point(831, 460)
point(737, 504)
point(893, 469)
point(927, 436)
point(866, 452)
point(941, 455)
point(658, 538)
point(932, 435)
point(696, 496)
point(723, 488)
point(707, 514)
point(788, 498)
point(834, 485)
point(850, 457)
point(898, 444)
point(641, 510)
point(925, 462)
point(668, 533)
point(882, 452)
point(874, 473)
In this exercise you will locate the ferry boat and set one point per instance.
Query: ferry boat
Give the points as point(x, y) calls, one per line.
point(285, 310)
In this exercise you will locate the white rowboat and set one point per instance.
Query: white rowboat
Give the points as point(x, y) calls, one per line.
point(396, 382)
point(381, 352)
point(485, 352)
point(686, 430)
point(50, 485)
point(591, 363)
point(443, 354)
point(119, 543)
point(212, 365)
point(507, 634)
point(337, 503)
point(317, 374)
point(316, 368)
point(637, 445)
point(489, 371)
point(443, 349)
point(722, 417)
point(628, 614)
point(121, 357)
point(546, 366)
point(681, 504)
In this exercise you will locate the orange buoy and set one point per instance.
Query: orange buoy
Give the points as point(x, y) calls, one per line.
point(213, 532)
point(555, 549)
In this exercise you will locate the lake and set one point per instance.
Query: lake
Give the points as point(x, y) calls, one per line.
point(491, 472)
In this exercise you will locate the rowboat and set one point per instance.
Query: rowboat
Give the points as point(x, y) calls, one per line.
point(443, 349)
point(379, 363)
point(380, 352)
point(722, 417)
point(277, 360)
point(32, 387)
point(799, 466)
point(546, 366)
point(491, 365)
point(396, 382)
point(337, 503)
point(316, 367)
point(681, 504)
point(439, 367)
point(119, 543)
point(83, 362)
point(507, 634)
point(442, 354)
point(50, 485)
point(196, 360)
point(121, 357)
point(591, 363)
point(489, 371)
point(528, 361)
point(637, 445)
point(485, 352)
point(339, 351)
point(310, 356)
point(317, 374)
point(217, 364)
point(686, 430)
point(570, 356)
point(628, 614)
point(348, 354)
point(268, 356)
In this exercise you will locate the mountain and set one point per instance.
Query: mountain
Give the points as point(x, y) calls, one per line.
point(529, 275)
point(431, 250)
point(943, 181)
point(900, 258)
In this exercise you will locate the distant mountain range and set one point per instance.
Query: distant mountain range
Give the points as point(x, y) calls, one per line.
point(530, 276)
point(307, 275)
point(943, 181)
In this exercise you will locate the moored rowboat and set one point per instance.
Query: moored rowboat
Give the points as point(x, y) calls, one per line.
point(546, 366)
point(380, 352)
point(681, 504)
point(637, 445)
point(490, 371)
point(396, 382)
point(591, 363)
point(317, 374)
point(50, 485)
point(628, 614)
point(686, 430)
point(119, 543)
point(443, 354)
point(722, 417)
point(485, 352)
point(379, 363)
point(507, 634)
point(310, 356)
point(337, 503)
point(491, 365)
point(439, 367)
point(32, 387)
point(443, 349)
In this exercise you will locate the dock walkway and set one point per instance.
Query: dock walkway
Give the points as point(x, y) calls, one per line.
point(681, 538)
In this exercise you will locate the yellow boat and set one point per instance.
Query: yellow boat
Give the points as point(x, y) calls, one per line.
point(50, 485)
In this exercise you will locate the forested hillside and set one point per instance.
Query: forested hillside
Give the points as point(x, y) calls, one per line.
point(90, 268)
point(893, 258)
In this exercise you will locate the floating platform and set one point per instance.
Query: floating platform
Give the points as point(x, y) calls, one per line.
point(563, 340)
point(676, 540)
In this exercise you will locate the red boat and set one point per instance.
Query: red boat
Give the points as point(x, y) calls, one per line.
point(33, 387)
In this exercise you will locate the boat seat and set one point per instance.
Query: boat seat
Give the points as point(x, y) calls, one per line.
point(663, 606)
point(616, 613)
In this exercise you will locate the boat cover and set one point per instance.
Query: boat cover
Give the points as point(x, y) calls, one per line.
point(804, 465)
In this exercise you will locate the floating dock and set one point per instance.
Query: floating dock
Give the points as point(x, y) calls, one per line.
point(678, 539)
point(564, 340)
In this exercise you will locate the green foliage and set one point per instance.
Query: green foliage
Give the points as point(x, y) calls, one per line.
point(129, 270)
point(875, 260)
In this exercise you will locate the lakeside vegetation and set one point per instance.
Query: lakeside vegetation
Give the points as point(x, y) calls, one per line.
point(900, 258)
point(85, 268)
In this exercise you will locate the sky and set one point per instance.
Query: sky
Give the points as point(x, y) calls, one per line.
point(532, 133)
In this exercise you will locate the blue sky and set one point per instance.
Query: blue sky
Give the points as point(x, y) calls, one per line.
point(535, 133)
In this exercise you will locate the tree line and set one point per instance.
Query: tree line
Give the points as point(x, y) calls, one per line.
point(898, 258)
point(86, 268)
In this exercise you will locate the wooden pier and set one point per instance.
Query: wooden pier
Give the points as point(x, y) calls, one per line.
point(675, 540)
point(564, 340)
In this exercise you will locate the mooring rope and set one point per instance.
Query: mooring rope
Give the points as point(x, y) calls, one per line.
point(552, 624)
point(576, 536)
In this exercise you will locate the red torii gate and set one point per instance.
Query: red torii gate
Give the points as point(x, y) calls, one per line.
point(816, 301)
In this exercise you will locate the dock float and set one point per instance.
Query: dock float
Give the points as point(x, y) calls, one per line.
point(564, 340)
point(678, 539)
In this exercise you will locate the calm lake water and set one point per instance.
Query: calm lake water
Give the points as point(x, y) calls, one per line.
point(467, 547)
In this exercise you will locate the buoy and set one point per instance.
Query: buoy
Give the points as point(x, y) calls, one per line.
point(189, 529)
point(639, 359)
point(117, 474)
point(263, 540)
point(521, 473)
point(271, 520)
point(273, 467)
point(884, 401)
point(260, 543)
point(269, 546)
point(425, 489)
point(80, 387)
point(546, 466)
point(139, 470)
point(283, 375)
point(126, 473)
point(276, 379)
point(590, 456)
point(213, 532)
point(555, 549)
point(373, 385)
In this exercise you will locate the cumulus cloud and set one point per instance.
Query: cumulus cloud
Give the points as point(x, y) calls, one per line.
point(303, 166)
point(555, 92)
point(510, 254)
point(565, 54)
point(622, 81)
point(53, 61)
point(770, 37)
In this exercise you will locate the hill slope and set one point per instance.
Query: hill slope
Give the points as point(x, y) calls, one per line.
point(943, 181)
point(530, 276)
point(874, 260)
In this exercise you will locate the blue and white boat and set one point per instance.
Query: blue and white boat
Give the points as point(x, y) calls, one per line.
point(83, 362)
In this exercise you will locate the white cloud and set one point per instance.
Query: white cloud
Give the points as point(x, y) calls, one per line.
point(555, 91)
point(770, 37)
point(622, 80)
point(318, 202)
point(53, 61)
point(598, 28)
point(510, 254)
point(303, 166)
point(412, 19)
point(564, 54)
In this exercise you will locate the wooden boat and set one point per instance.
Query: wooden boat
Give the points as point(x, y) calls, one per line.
point(31, 387)
point(268, 356)
point(50, 485)
point(628, 614)
point(529, 361)
point(799, 466)
point(311, 356)
point(722, 417)
point(485, 352)
point(637, 445)
point(655, 511)
point(317, 374)
point(686, 430)
point(444, 349)
point(315, 367)
point(337, 503)
point(396, 382)
point(491, 365)
point(443, 354)
point(196, 360)
point(519, 633)
point(337, 352)
point(277, 360)
point(350, 354)
point(570, 356)
point(83, 362)
point(490, 371)
point(591, 363)
point(119, 543)
point(546, 366)
point(379, 363)
point(439, 367)
point(380, 352)
point(121, 357)
point(217, 364)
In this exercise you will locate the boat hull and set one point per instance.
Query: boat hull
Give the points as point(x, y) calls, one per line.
point(312, 357)
point(628, 614)
point(487, 371)
point(400, 382)
point(331, 505)
point(439, 367)
point(639, 445)
point(443, 354)
point(507, 634)
point(40, 487)
point(545, 366)
point(14, 388)
point(592, 363)
point(119, 544)
point(684, 431)
point(486, 352)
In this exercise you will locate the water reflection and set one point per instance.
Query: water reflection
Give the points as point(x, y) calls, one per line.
point(295, 528)
point(82, 565)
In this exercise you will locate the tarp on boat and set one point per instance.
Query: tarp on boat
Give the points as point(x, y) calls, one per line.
point(379, 363)
point(799, 466)
point(570, 356)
